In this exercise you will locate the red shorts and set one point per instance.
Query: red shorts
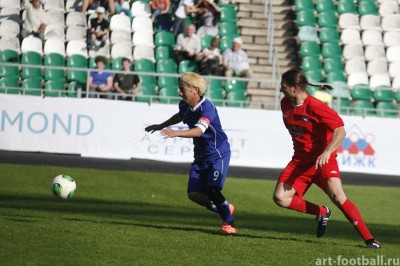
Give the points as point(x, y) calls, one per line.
point(300, 177)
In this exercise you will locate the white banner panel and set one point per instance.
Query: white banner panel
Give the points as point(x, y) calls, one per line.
point(115, 129)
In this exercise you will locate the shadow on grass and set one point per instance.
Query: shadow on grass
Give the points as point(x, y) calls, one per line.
point(192, 219)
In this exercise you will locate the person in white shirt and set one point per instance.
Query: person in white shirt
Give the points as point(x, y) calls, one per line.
point(208, 28)
point(236, 62)
point(185, 8)
point(187, 45)
point(33, 23)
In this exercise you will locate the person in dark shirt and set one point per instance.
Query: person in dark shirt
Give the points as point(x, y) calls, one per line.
point(126, 83)
point(99, 29)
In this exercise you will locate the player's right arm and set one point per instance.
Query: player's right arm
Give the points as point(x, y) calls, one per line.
point(175, 119)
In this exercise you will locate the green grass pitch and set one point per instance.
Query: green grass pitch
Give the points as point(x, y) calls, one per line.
point(137, 218)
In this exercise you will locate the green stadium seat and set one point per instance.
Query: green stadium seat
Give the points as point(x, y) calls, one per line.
point(92, 62)
point(9, 85)
point(146, 94)
point(164, 38)
point(361, 93)
point(116, 63)
point(166, 66)
point(228, 14)
point(363, 107)
point(335, 76)
point(9, 56)
point(346, 6)
point(342, 106)
point(311, 63)
point(366, 7)
point(164, 52)
point(54, 60)
point(147, 79)
point(71, 89)
point(325, 5)
point(228, 29)
point(386, 109)
point(333, 64)
point(397, 95)
point(187, 66)
point(340, 90)
point(144, 65)
point(216, 96)
point(226, 42)
point(77, 61)
point(315, 76)
point(301, 5)
point(235, 85)
point(331, 49)
point(311, 89)
point(310, 49)
point(164, 81)
point(54, 88)
point(216, 84)
point(32, 86)
point(236, 99)
point(328, 19)
point(206, 41)
point(327, 34)
point(31, 58)
point(169, 95)
point(306, 18)
point(383, 94)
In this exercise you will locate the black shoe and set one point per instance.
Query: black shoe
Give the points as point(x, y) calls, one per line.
point(372, 243)
point(323, 222)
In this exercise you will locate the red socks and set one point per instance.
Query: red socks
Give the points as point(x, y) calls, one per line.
point(301, 205)
point(354, 216)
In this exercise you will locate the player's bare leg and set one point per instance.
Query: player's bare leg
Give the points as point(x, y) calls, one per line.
point(335, 192)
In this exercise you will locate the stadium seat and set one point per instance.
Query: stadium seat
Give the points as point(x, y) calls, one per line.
point(397, 95)
point(164, 38)
point(306, 18)
point(166, 66)
point(394, 69)
point(77, 47)
point(142, 23)
point(370, 22)
point(391, 38)
point(143, 37)
point(346, 6)
point(355, 65)
point(340, 89)
point(206, 41)
point(383, 94)
point(310, 49)
point(311, 63)
point(308, 34)
point(367, 7)
point(10, 85)
point(333, 64)
point(147, 93)
point(328, 19)
point(143, 51)
point(374, 52)
point(54, 45)
point(301, 5)
point(71, 89)
point(54, 88)
point(331, 49)
point(396, 83)
point(226, 42)
point(75, 32)
point(9, 28)
point(120, 22)
point(77, 61)
point(393, 53)
point(358, 78)
point(140, 8)
point(144, 65)
point(116, 63)
point(54, 31)
point(164, 81)
point(372, 37)
point(361, 93)
point(216, 96)
point(120, 36)
point(9, 56)
point(228, 29)
point(315, 76)
point(377, 66)
point(76, 18)
point(10, 43)
point(10, 13)
point(349, 21)
point(342, 106)
point(325, 5)
point(216, 84)
point(169, 95)
point(350, 36)
point(32, 86)
point(10, 4)
point(228, 14)
point(327, 34)
point(235, 85)
point(164, 52)
point(391, 22)
point(379, 80)
point(386, 109)
point(54, 5)
point(122, 49)
point(32, 44)
point(236, 99)
point(353, 51)
point(361, 107)
point(388, 7)
point(187, 66)
point(148, 80)
point(31, 58)
point(54, 60)
point(335, 76)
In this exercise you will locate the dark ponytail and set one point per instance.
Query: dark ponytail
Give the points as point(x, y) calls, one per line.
point(321, 86)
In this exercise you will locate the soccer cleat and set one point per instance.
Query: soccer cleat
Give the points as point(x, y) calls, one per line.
point(323, 222)
point(372, 243)
point(231, 208)
point(227, 228)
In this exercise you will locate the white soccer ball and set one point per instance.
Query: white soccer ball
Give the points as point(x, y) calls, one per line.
point(63, 186)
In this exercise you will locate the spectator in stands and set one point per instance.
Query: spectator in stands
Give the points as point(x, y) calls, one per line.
point(108, 5)
point(119, 8)
point(33, 23)
point(187, 45)
point(100, 80)
point(211, 60)
point(235, 60)
point(208, 9)
point(185, 8)
point(160, 7)
point(126, 83)
point(208, 27)
point(98, 33)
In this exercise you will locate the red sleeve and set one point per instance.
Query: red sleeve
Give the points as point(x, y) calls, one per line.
point(327, 116)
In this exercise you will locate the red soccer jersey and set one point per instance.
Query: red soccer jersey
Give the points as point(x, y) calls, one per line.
point(311, 126)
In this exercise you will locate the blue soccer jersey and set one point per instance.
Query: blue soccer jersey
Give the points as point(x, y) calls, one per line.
point(213, 143)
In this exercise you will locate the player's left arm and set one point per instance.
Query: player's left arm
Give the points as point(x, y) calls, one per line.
point(337, 138)
point(198, 130)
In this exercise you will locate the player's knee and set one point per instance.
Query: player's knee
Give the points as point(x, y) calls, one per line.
point(337, 198)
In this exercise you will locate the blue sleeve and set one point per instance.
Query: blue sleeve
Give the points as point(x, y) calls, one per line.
point(209, 111)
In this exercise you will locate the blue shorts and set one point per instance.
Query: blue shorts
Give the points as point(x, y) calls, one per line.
point(208, 173)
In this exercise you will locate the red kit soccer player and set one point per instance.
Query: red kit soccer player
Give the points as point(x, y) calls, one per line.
point(317, 131)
